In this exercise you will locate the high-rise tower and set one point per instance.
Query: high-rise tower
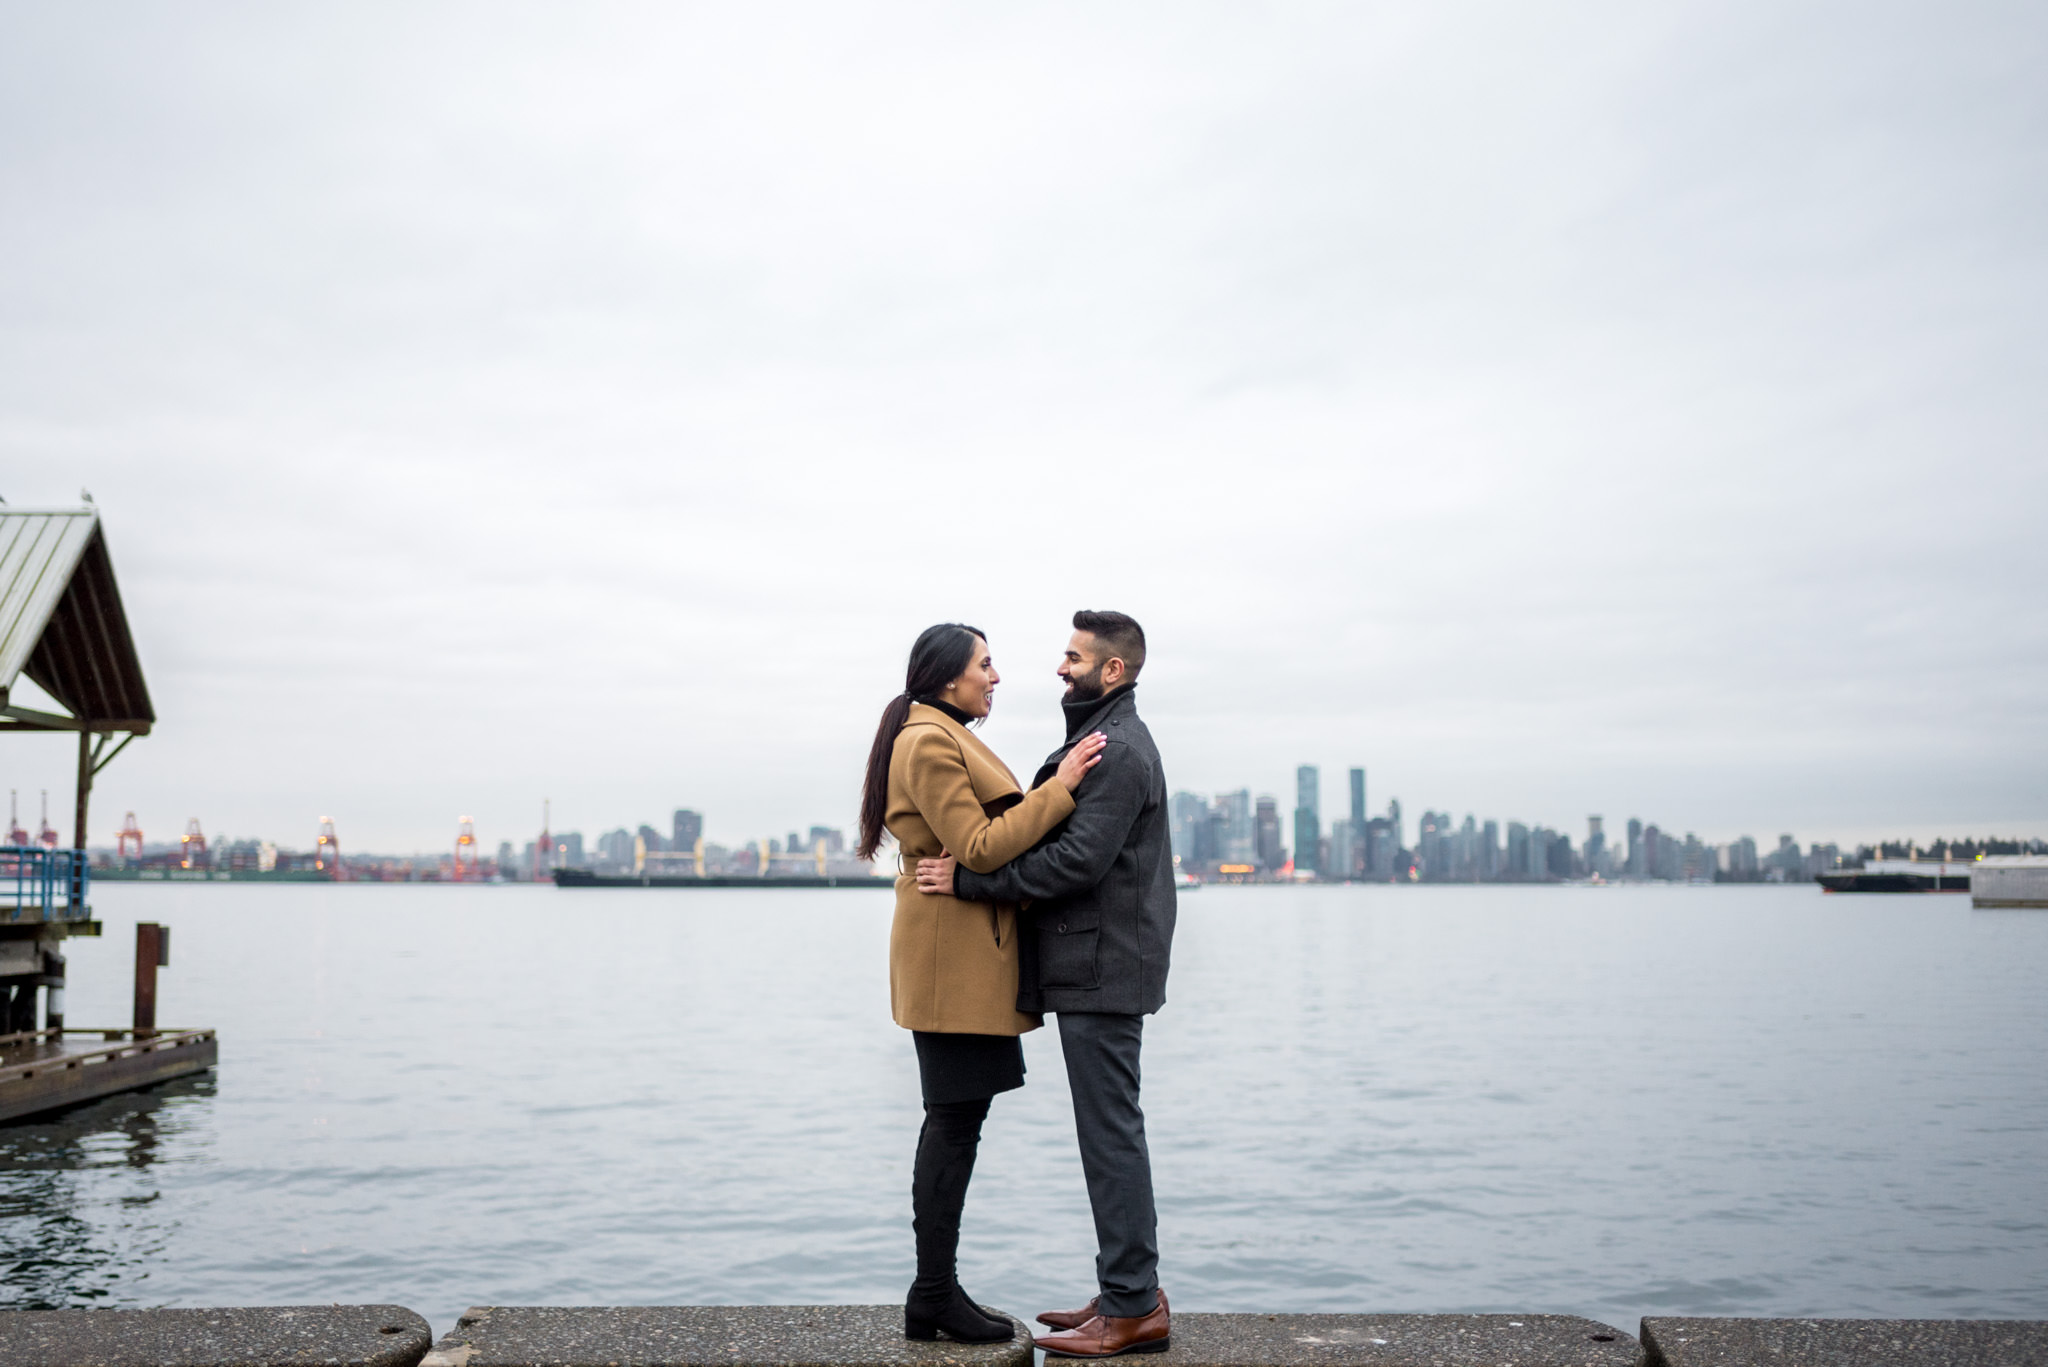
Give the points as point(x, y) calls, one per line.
point(1266, 824)
point(686, 829)
point(1308, 818)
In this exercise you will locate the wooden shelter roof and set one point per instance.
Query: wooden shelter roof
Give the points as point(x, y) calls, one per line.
point(61, 625)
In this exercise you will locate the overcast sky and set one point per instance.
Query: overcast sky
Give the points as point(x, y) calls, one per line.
point(1555, 409)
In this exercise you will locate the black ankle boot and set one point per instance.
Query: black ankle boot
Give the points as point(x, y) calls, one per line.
point(957, 1317)
point(992, 1319)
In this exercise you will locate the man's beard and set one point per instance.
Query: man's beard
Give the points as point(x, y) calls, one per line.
point(1085, 687)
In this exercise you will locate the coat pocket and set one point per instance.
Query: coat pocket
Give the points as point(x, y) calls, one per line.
point(1067, 954)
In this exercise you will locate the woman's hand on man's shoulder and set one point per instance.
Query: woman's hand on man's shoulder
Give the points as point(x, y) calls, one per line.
point(1076, 763)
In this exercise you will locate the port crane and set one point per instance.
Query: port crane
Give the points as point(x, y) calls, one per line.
point(467, 867)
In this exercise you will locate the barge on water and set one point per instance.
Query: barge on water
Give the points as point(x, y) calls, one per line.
point(118, 874)
point(1901, 875)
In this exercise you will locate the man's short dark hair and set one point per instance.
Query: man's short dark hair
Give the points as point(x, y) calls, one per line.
point(1121, 634)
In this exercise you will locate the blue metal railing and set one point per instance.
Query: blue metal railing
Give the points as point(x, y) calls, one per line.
point(43, 885)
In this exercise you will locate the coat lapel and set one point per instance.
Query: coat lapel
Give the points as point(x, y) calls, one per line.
point(991, 778)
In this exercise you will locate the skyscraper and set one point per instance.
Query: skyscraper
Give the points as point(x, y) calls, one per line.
point(1353, 865)
point(1380, 848)
point(1238, 844)
point(1429, 846)
point(1266, 826)
point(1563, 863)
point(1465, 858)
point(1698, 860)
point(689, 829)
point(1343, 853)
point(1185, 815)
point(1518, 850)
point(615, 848)
point(1308, 817)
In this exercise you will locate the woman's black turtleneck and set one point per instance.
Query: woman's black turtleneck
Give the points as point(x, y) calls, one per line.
point(955, 713)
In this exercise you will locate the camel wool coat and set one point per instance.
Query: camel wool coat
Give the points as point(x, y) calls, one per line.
point(953, 964)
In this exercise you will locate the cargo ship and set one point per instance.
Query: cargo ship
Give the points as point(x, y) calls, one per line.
point(1901, 875)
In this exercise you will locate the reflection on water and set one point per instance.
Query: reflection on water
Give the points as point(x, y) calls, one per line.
point(66, 1247)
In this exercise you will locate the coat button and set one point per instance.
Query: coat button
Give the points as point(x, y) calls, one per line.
point(1063, 927)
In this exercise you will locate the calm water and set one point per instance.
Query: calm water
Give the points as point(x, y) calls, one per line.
point(1609, 1102)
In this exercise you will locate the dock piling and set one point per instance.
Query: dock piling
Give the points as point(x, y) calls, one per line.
point(152, 951)
point(53, 988)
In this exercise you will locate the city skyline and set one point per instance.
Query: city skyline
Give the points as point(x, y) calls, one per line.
point(1231, 834)
point(1259, 806)
point(1234, 834)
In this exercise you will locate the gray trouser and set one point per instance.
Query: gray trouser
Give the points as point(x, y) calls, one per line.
point(1102, 1073)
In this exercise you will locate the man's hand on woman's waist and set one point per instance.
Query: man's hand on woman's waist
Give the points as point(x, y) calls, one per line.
point(935, 876)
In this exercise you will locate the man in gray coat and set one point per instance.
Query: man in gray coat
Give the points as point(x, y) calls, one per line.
point(1100, 892)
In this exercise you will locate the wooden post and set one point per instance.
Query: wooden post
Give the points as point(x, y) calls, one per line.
point(84, 786)
point(74, 895)
point(148, 952)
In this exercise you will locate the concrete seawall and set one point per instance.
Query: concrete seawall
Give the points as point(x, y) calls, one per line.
point(871, 1336)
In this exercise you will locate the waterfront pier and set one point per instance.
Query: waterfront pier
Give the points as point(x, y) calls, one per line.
point(62, 627)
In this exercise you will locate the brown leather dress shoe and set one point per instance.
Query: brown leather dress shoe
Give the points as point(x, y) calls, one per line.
point(1108, 1336)
point(1071, 1319)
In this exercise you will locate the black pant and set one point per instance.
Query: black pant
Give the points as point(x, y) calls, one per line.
point(1102, 1073)
point(938, 1191)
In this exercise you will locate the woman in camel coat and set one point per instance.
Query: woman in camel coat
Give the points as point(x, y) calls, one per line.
point(952, 964)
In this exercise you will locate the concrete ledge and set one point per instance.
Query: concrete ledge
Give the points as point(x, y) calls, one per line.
point(1673, 1342)
point(1396, 1341)
point(265, 1336)
point(689, 1335)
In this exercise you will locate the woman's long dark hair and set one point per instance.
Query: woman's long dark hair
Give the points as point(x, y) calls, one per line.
point(941, 655)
